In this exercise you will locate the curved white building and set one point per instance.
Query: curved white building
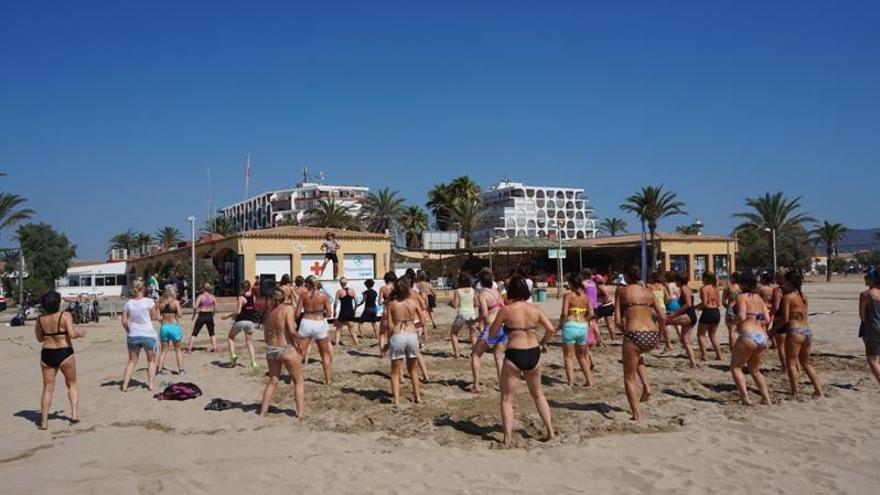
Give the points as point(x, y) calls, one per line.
point(516, 210)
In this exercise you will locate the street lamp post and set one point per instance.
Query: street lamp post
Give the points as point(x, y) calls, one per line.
point(558, 261)
point(773, 234)
point(192, 225)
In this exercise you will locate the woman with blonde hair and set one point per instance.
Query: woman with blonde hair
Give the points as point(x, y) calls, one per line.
point(315, 308)
point(56, 331)
point(169, 330)
point(137, 320)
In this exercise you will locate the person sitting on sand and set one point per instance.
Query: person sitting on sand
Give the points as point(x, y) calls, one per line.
point(575, 328)
point(401, 313)
point(489, 301)
point(246, 318)
point(710, 316)
point(282, 350)
point(685, 318)
point(205, 305)
point(170, 333)
point(799, 340)
point(523, 354)
point(751, 313)
point(315, 306)
point(869, 314)
point(56, 331)
point(640, 314)
point(138, 315)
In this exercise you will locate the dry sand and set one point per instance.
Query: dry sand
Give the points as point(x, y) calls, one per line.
point(695, 437)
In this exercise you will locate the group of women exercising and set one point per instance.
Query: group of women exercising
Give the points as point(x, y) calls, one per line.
point(501, 319)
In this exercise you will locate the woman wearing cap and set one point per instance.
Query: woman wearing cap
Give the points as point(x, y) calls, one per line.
point(869, 313)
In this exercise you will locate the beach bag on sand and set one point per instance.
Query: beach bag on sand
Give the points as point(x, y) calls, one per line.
point(179, 391)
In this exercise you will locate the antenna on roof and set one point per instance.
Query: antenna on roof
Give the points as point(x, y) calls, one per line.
point(305, 174)
point(320, 177)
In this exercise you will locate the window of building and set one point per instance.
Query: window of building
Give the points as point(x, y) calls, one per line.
point(720, 266)
point(700, 265)
point(678, 263)
point(121, 280)
point(99, 281)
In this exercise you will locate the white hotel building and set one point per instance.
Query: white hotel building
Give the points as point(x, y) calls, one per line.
point(516, 210)
point(268, 209)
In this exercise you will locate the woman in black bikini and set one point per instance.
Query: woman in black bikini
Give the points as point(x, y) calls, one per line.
point(686, 316)
point(710, 316)
point(640, 314)
point(370, 314)
point(778, 325)
point(55, 330)
point(523, 354)
point(346, 315)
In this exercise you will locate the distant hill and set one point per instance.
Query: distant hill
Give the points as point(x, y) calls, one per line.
point(855, 240)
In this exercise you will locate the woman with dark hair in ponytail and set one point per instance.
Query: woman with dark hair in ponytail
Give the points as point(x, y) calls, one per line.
point(799, 341)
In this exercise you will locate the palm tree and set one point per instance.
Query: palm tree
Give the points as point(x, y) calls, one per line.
point(9, 214)
point(168, 236)
point(382, 210)
point(688, 229)
point(124, 240)
point(413, 222)
point(218, 225)
point(331, 215)
point(468, 215)
point(652, 204)
point(612, 226)
point(142, 240)
point(829, 234)
point(442, 197)
point(291, 221)
point(774, 212)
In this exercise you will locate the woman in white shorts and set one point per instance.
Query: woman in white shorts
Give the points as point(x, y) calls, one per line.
point(315, 308)
point(463, 300)
point(401, 313)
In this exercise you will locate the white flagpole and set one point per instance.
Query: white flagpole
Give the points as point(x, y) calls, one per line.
point(247, 177)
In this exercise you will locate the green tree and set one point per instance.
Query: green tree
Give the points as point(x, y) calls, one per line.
point(205, 272)
point(830, 235)
point(413, 222)
point(441, 199)
point(10, 213)
point(612, 226)
point(218, 225)
point(168, 236)
point(382, 210)
point(774, 213)
point(124, 240)
point(688, 229)
point(468, 215)
point(332, 215)
point(652, 204)
point(47, 255)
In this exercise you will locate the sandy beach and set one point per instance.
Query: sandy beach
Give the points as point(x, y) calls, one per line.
point(695, 436)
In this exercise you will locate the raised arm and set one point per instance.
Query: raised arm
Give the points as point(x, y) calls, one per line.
point(238, 306)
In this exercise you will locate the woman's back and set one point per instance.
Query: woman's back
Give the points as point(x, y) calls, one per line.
point(403, 315)
point(140, 323)
point(521, 321)
point(493, 302)
point(709, 296)
point(54, 328)
point(313, 303)
point(466, 301)
point(751, 310)
point(872, 310)
point(637, 307)
point(578, 304)
point(276, 325)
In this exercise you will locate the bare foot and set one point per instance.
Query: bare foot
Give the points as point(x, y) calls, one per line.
point(747, 402)
point(417, 400)
point(474, 389)
point(818, 394)
point(766, 402)
point(635, 417)
point(646, 396)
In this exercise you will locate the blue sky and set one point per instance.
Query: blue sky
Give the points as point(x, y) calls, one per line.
point(110, 112)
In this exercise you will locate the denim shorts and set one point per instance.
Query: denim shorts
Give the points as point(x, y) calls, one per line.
point(137, 343)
